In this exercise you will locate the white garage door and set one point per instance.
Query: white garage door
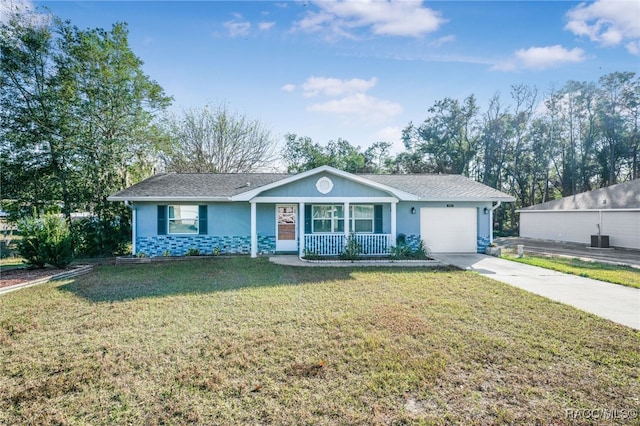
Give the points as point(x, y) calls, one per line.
point(449, 229)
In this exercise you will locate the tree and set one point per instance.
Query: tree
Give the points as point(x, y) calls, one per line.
point(377, 157)
point(216, 140)
point(301, 154)
point(35, 151)
point(77, 116)
point(617, 96)
point(448, 140)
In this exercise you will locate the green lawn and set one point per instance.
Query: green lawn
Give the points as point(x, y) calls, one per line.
point(243, 341)
point(616, 274)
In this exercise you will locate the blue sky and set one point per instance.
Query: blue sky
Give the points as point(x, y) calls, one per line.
point(362, 70)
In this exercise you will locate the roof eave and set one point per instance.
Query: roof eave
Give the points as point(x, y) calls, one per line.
point(468, 199)
point(165, 199)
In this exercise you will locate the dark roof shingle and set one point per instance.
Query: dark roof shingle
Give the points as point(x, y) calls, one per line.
point(223, 186)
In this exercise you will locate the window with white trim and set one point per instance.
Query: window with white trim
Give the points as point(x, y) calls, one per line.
point(361, 218)
point(183, 219)
point(329, 218)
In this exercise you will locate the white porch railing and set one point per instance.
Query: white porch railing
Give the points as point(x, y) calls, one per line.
point(333, 244)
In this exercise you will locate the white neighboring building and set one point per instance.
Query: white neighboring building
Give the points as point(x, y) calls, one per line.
point(612, 211)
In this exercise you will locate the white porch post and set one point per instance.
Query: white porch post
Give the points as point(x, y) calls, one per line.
point(134, 233)
point(393, 222)
point(346, 221)
point(254, 232)
point(490, 226)
point(301, 226)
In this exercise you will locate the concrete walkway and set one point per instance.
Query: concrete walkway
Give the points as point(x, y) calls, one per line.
point(611, 301)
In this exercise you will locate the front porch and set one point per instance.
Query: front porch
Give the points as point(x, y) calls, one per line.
point(334, 244)
point(324, 226)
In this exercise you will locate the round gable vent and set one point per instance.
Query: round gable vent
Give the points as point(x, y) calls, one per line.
point(324, 185)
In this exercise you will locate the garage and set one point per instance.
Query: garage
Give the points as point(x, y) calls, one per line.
point(449, 229)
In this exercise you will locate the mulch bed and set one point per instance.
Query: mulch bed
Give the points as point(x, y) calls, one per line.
point(22, 275)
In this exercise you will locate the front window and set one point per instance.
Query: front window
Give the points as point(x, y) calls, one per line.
point(183, 219)
point(361, 218)
point(330, 218)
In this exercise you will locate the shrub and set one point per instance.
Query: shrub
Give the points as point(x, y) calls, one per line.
point(352, 249)
point(401, 251)
point(404, 251)
point(101, 237)
point(422, 251)
point(192, 252)
point(45, 240)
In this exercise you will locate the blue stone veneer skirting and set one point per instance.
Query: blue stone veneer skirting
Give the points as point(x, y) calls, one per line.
point(483, 243)
point(205, 244)
point(413, 241)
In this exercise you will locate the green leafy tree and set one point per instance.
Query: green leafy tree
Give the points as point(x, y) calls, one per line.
point(448, 140)
point(301, 154)
point(35, 140)
point(77, 116)
point(378, 158)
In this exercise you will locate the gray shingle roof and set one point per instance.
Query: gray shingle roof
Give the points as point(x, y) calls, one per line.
point(440, 187)
point(620, 196)
point(198, 185)
point(223, 186)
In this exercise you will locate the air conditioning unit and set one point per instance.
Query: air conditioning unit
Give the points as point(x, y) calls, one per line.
point(600, 241)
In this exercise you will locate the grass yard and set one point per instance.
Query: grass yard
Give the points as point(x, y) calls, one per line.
point(243, 341)
point(616, 274)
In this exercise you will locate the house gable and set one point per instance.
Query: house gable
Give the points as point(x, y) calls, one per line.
point(328, 172)
point(335, 186)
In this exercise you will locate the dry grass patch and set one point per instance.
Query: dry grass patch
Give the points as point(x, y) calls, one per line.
point(236, 341)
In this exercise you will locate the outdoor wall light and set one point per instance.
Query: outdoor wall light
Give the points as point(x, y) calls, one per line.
point(486, 210)
point(413, 210)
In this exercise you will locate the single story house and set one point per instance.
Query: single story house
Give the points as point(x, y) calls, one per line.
point(315, 211)
point(613, 211)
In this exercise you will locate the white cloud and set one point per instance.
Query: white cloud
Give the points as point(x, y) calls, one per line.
point(10, 8)
point(607, 22)
point(541, 58)
point(238, 28)
point(341, 18)
point(361, 105)
point(442, 40)
point(336, 87)
point(264, 26)
point(349, 98)
point(633, 47)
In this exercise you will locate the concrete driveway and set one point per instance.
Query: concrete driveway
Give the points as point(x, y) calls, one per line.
point(611, 301)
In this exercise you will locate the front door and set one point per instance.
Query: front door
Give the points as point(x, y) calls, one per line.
point(286, 230)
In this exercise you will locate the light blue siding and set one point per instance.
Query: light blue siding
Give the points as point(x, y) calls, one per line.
point(224, 219)
point(341, 188)
point(229, 224)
